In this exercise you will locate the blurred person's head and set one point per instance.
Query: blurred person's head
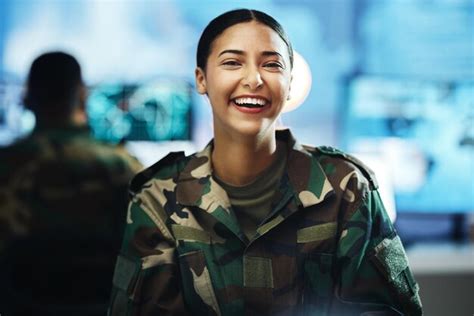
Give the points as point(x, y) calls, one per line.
point(55, 91)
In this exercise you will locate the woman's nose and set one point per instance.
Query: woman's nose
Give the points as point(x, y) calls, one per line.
point(252, 78)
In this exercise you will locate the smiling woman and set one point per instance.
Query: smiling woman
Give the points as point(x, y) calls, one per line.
point(247, 86)
point(257, 223)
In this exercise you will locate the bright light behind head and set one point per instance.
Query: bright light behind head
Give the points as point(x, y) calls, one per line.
point(300, 85)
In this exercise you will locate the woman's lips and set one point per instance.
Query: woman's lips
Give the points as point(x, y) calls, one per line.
point(251, 110)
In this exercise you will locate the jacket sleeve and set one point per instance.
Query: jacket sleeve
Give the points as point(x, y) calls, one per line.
point(373, 275)
point(146, 280)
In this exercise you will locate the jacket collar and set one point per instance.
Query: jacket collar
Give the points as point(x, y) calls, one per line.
point(196, 187)
point(305, 174)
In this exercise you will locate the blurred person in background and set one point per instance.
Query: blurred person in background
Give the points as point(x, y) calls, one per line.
point(257, 224)
point(63, 199)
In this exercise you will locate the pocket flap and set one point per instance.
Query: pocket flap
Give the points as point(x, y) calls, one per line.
point(187, 233)
point(316, 232)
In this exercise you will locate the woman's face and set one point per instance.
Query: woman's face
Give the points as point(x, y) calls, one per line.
point(247, 79)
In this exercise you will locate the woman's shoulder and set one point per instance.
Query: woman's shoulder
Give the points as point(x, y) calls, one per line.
point(338, 165)
point(166, 168)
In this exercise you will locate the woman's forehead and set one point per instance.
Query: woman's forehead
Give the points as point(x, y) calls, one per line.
point(249, 35)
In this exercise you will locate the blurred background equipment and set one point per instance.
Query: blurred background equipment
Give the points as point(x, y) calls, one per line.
point(156, 111)
point(422, 130)
point(391, 82)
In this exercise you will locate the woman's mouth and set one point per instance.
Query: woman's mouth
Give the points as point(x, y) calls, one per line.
point(251, 104)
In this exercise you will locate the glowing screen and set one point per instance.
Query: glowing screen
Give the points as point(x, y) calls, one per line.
point(157, 111)
point(425, 133)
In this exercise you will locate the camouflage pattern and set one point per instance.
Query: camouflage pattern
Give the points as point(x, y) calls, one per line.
point(326, 248)
point(61, 189)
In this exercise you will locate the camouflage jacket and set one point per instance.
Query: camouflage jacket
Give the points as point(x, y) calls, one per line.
point(326, 248)
point(63, 198)
point(62, 170)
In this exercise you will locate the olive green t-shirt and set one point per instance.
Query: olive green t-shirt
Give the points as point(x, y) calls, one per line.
point(252, 202)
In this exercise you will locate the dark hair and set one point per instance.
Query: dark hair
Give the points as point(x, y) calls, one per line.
point(218, 25)
point(53, 84)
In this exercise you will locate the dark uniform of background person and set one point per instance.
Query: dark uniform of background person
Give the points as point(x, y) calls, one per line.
point(63, 198)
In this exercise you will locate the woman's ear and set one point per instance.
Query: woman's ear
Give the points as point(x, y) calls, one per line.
point(200, 81)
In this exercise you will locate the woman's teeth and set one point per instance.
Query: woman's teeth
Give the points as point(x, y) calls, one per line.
point(250, 102)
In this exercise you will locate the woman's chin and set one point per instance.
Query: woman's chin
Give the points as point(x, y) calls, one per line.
point(252, 129)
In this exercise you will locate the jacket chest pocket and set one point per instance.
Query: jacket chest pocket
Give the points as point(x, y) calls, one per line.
point(197, 285)
point(318, 283)
point(196, 280)
point(317, 244)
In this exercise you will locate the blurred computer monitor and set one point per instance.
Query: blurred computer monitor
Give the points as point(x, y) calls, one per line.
point(423, 131)
point(159, 110)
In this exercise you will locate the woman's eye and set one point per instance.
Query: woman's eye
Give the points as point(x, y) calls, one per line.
point(231, 63)
point(273, 65)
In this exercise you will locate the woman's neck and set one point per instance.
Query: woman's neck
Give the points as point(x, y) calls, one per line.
point(238, 161)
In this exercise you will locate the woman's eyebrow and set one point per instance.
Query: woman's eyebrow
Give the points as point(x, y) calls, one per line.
point(241, 52)
point(231, 51)
point(271, 53)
